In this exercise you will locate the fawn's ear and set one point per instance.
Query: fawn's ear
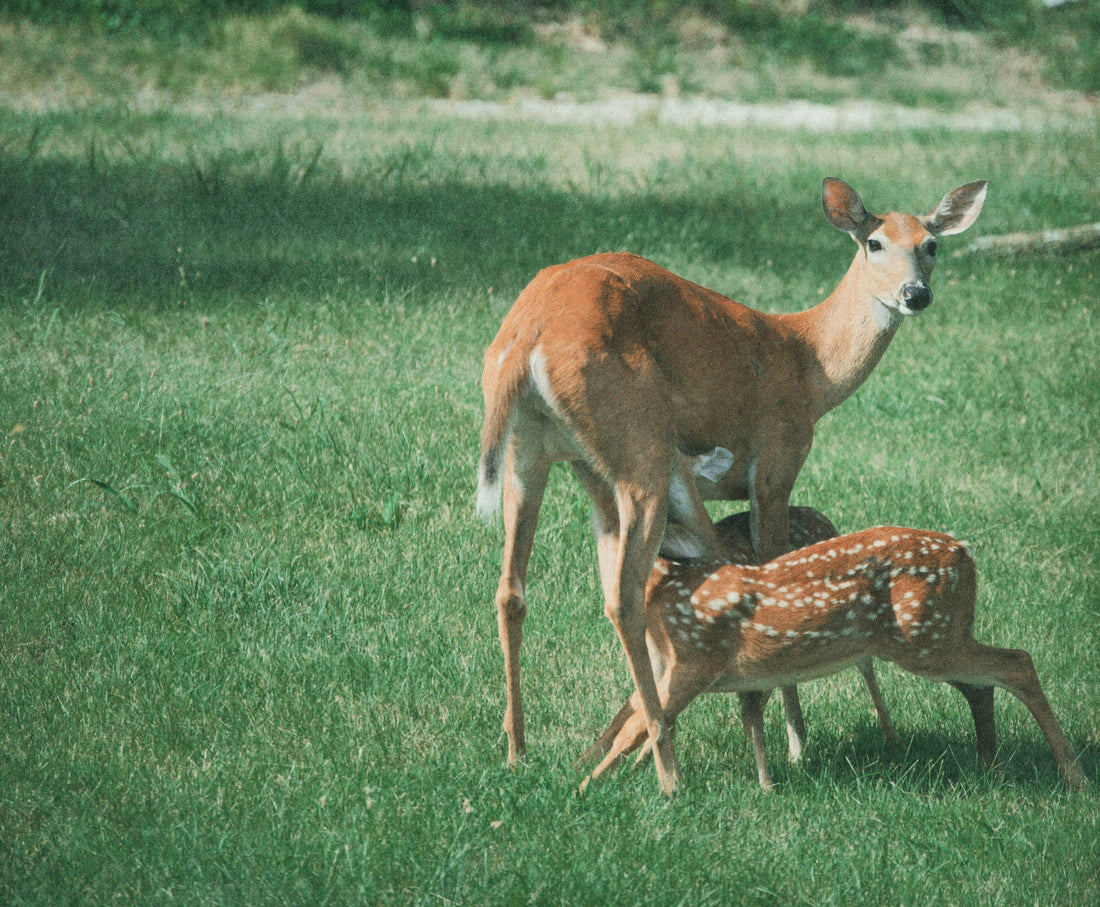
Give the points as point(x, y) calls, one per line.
point(957, 210)
point(746, 604)
point(843, 206)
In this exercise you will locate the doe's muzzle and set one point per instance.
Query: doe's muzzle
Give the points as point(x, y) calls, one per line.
point(917, 297)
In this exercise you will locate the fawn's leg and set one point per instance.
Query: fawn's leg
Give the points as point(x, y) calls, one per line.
point(600, 748)
point(752, 718)
point(796, 726)
point(677, 688)
point(980, 700)
point(889, 732)
point(1013, 670)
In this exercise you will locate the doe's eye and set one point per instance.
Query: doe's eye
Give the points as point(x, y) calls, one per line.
point(931, 249)
point(873, 245)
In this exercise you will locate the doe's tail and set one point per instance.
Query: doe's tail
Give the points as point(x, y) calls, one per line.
point(502, 383)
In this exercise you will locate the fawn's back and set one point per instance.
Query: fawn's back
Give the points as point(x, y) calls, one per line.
point(898, 594)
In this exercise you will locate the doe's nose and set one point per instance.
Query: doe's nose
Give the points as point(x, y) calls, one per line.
point(917, 296)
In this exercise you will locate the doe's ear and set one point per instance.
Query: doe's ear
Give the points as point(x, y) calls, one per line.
point(957, 210)
point(843, 206)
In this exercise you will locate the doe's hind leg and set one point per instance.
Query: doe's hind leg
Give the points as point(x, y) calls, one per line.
point(524, 484)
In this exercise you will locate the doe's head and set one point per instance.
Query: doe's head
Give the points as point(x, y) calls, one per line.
point(900, 249)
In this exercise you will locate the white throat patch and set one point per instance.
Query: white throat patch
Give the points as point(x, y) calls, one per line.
point(887, 315)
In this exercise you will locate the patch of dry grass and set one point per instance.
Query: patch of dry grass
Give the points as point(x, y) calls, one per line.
point(52, 67)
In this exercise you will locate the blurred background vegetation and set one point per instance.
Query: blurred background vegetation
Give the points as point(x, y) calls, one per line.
point(739, 49)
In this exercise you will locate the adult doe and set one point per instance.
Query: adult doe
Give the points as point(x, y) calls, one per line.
point(627, 371)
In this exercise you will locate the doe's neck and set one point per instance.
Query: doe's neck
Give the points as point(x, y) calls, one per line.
point(845, 337)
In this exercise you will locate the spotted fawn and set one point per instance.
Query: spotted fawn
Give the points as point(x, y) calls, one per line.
point(903, 595)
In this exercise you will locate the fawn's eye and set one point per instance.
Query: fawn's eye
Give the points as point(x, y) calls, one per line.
point(873, 245)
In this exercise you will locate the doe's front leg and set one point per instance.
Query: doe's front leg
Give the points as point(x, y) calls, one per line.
point(641, 521)
point(770, 526)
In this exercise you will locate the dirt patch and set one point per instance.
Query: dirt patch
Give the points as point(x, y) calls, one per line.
point(847, 116)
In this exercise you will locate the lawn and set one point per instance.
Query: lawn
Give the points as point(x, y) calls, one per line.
point(248, 642)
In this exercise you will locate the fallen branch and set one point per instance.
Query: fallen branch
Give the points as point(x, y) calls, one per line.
point(1071, 239)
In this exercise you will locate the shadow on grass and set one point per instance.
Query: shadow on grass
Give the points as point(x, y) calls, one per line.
point(856, 758)
point(928, 763)
point(153, 235)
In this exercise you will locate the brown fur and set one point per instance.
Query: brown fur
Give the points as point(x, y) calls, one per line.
point(903, 595)
point(626, 370)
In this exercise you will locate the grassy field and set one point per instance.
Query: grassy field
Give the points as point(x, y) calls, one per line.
point(247, 636)
point(908, 52)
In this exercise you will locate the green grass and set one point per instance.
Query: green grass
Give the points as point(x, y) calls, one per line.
point(248, 642)
point(947, 55)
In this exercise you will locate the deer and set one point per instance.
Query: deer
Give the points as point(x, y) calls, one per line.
point(807, 526)
point(662, 394)
point(902, 595)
